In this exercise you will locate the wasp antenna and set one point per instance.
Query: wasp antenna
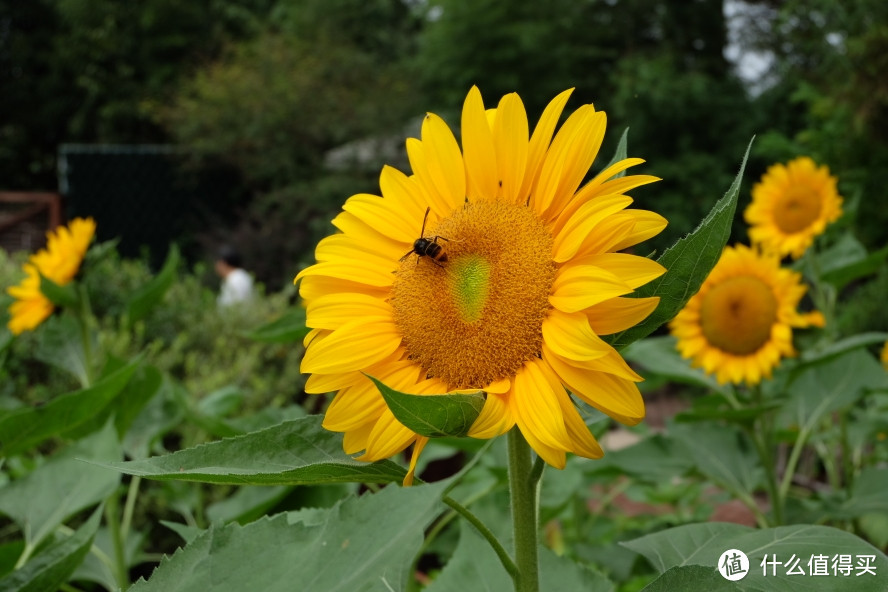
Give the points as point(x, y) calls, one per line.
point(424, 218)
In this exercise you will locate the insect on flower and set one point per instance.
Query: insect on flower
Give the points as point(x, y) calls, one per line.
point(427, 247)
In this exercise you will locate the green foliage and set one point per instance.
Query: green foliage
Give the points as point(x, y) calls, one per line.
point(343, 548)
point(267, 457)
point(688, 263)
point(433, 416)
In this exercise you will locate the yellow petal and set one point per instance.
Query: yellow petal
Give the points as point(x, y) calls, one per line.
point(647, 224)
point(633, 270)
point(383, 214)
point(534, 404)
point(356, 440)
point(361, 232)
point(579, 228)
point(539, 142)
point(570, 336)
point(495, 418)
point(334, 310)
point(584, 443)
point(351, 347)
point(580, 286)
point(563, 160)
point(404, 192)
point(618, 314)
point(478, 148)
point(444, 161)
point(510, 137)
point(614, 396)
point(354, 271)
point(420, 443)
point(388, 437)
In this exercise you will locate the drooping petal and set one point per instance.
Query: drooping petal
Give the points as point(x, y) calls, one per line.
point(570, 336)
point(534, 404)
point(418, 446)
point(495, 418)
point(351, 347)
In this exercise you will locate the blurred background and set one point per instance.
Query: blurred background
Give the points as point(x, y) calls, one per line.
point(251, 121)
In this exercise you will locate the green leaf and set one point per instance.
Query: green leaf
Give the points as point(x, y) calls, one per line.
point(160, 414)
point(54, 565)
point(149, 295)
point(474, 567)
point(660, 356)
point(23, 428)
point(656, 459)
point(65, 296)
point(837, 383)
point(298, 452)
point(847, 260)
point(688, 263)
point(722, 453)
point(702, 545)
point(362, 544)
point(42, 500)
point(811, 356)
point(59, 345)
point(689, 578)
point(620, 153)
point(288, 328)
point(433, 416)
point(869, 495)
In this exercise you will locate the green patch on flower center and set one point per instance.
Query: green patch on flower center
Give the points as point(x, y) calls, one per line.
point(477, 317)
point(469, 285)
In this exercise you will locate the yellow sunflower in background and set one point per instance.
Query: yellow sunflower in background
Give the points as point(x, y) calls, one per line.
point(885, 355)
point(791, 205)
point(59, 262)
point(739, 325)
point(527, 277)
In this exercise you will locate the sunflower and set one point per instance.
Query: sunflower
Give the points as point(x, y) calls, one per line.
point(739, 325)
point(527, 278)
point(885, 355)
point(59, 262)
point(791, 205)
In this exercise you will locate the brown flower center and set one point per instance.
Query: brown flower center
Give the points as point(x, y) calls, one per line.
point(737, 314)
point(477, 317)
point(797, 209)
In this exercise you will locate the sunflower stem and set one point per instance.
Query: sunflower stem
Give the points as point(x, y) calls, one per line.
point(763, 437)
point(501, 552)
point(523, 482)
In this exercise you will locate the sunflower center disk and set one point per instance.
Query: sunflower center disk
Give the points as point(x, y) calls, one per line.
point(797, 210)
point(737, 315)
point(477, 317)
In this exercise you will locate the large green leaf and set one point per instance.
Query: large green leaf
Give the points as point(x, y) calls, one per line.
point(53, 566)
point(434, 416)
point(475, 567)
point(288, 328)
point(692, 577)
point(65, 295)
point(297, 452)
point(59, 344)
point(702, 545)
point(848, 260)
point(660, 356)
point(149, 295)
point(869, 496)
point(23, 428)
point(829, 386)
point(362, 544)
point(61, 487)
point(724, 454)
point(688, 262)
point(833, 349)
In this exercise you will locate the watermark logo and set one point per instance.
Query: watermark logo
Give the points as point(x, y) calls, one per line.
point(733, 565)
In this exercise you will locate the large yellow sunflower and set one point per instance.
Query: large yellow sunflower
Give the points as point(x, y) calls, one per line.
point(739, 325)
point(59, 262)
point(791, 205)
point(527, 278)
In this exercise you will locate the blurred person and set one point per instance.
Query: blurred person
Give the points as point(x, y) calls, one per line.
point(237, 284)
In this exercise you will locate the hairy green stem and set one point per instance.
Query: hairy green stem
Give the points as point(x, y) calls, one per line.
point(793, 461)
point(130, 505)
point(112, 517)
point(524, 513)
point(486, 533)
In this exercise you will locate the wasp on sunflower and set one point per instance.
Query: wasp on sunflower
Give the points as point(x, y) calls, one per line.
point(792, 205)
point(59, 262)
point(527, 278)
point(739, 325)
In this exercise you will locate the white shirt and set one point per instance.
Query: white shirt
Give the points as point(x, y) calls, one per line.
point(236, 287)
